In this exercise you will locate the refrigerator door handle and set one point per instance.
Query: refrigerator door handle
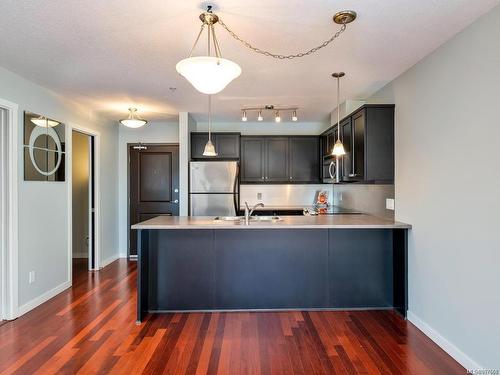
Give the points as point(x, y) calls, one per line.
point(235, 188)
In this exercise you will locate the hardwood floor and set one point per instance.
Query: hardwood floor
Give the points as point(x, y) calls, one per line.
point(90, 329)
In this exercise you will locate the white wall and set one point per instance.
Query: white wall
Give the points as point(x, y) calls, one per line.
point(448, 188)
point(44, 206)
point(154, 132)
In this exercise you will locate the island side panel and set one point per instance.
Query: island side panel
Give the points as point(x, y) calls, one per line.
point(181, 267)
point(360, 268)
point(400, 270)
point(142, 274)
point(271, 269)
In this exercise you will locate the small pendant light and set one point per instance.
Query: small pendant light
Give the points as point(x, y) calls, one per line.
point(338, 148)
point(209, 147)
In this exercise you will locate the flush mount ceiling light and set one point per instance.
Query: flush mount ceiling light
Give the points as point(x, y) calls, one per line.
point(211, 74)
point(338, 148)
point(44, 122)
point(277, 110)
point(209, 146)
point(133, 121)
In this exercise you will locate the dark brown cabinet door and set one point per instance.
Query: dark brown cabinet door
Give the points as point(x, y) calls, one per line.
point(304, 159)
point(358, 146)
point(198, 142)
point(277, 155)
point(227, 145)
point(346, 137)
point(252, 159)
point(154, 185)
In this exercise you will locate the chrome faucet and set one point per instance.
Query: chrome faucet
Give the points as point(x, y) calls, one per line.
point(249, 212)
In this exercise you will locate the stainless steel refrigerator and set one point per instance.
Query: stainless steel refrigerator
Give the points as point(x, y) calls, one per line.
point(213, 188)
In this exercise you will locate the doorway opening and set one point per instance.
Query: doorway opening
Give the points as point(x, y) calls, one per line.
point(83, 191)
point(8, 211)
point(153, 188)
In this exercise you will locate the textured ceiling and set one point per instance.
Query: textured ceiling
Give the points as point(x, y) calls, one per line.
point(111, 54)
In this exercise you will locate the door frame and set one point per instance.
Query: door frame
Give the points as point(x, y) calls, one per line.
point(97, 198)
point(129, 145)
point(9, 304)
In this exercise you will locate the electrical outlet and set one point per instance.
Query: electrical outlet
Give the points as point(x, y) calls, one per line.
point(389, 204)
point(31, 277)
point(259, 196)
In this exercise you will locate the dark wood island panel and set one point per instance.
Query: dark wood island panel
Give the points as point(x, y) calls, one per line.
point(271, 269)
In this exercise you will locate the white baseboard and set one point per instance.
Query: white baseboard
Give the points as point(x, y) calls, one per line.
point(43, 298)
point(442, 342)
point(108, 261)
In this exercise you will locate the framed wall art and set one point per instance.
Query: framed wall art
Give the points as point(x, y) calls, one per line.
point(44, 148)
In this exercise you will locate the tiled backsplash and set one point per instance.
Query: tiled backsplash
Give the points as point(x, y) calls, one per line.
point(366, 198)
point(283, 195)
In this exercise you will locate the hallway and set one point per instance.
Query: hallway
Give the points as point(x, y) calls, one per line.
point(91, 329)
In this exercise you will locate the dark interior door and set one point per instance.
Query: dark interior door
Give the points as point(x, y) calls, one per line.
point(154, 185)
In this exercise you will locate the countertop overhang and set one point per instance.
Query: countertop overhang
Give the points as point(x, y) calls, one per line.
point(346, 221)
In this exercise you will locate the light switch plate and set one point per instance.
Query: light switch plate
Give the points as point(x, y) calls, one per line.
point(389, 204)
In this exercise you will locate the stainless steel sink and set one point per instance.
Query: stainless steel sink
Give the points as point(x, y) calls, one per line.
point(229, 218)
point(265, 218)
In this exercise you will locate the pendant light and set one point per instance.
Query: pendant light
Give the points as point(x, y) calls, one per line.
point(338, 148)
point(209, 147)
point(44, 122)
point(133, 121)
point(208, 74)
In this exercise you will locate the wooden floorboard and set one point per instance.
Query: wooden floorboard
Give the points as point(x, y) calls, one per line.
point(90, 329)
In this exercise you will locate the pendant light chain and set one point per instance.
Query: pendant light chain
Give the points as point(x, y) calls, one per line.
point(283, 57)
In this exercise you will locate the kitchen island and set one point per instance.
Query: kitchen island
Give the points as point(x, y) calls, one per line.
point(298, 262)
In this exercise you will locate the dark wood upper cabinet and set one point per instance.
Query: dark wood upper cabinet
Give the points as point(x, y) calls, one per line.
point(368, 138)
point(304, 161)
point(252, 159)
point(280, 159)
point(227, 145)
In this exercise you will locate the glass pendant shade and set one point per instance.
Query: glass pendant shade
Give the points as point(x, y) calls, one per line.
point(338, 148)
point(132, 121)
point(209, 149)
point(44, 122)
point(208, 74)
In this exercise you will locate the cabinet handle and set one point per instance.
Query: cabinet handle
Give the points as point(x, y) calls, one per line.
point(353, 175)
point(266, 177)
point(262, 177)
point(291, 177)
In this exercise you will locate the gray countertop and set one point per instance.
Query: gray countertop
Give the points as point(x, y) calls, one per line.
point(346, 221)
